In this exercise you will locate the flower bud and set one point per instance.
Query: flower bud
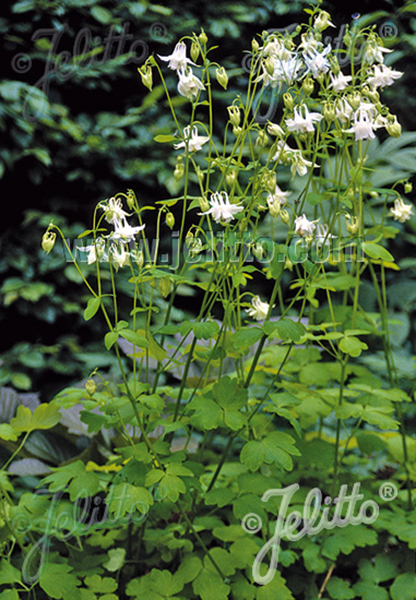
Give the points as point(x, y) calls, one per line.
point(371, 94)
point(179, 169)
point(352, 224)
point(261, 140)
point(393, 127)
point(165, 286)
point(90, 386)
point(146, 75)
point(131, 197)
point(268, 181)
point(354, 100)
point(194, 51)
point(222, 77)
point(230, 177)
point(284, 215)
point(328, 111)
point(408, 187)
point(307, 86)
point(288, 101)
point(138, 257)
point(322, 21)
point(269, 65)
point(288, 264)
point(48, 241)
point(234, 114)
point(255, 45)
point(258, 250)
point(203, 37)
point(275, 129)
point(237, 131)
point(170, 220)
point(199, 174)
point(205, 205)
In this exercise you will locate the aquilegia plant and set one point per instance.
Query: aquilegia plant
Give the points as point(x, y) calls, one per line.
point(260, 383)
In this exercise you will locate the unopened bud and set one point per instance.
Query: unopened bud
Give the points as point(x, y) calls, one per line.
point(288, 101)
point(269, 181)
point(275, 129)
point(131, 197)
point(258, 250)
point(194, 51)
point(269, 65)
point(179, 169)
point(90, 386)
point(393, 127)
point(408, 187)
point(262, 139)
point(255, 45)
point(237, 131)
point(170, 220)
point(352, 224)
point(307, 86)
point(222, 77)
point(146, 75)
point(203, 37)
point(284, 215)
point(328, 112)
point(230, 177)
point(354, 100)
point(288, 264)
point(48, 241)
point(204, 204)
point(322, 21)
point(234, 114)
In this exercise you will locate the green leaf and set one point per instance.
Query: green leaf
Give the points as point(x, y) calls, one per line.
point(102, 15)
point(245, 338)
point(134, 338)
point(125, 498)
point(116, 559)
point(285, 329)
point(110, 339)
point(163, 139)
point(9, 595)
point(315, 198)
point(92, 307)
point(205, 330)
point(58, 582)
point(9, 573)
point(207, 414)
point(277, 447)
point(82, 483)
point(377, 252)
point(45, 416)
point(339, 589)
point(352, 345)
point(8, 433)
point(101, 585)
point(210, 586)
point(404, 587)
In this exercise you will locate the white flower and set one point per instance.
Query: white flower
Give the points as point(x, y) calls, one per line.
point(123, 231)
point(284, 71)
point(383, 76)
point(276, 200)
point(343, 110)
point(316, 61)
point(194, 141)
point(322, 21)
point(300, 123)
point(95, 251)
point(401, 211)
point(221, 208)
point(277, 49)
point(374, 53)
point(363, 126)
point(189, 85)
point(259, 310)
point(299, 164)
point(113, 210)
point(177, 60)
point(303, 226)
point(119, 256)
point(340, 82)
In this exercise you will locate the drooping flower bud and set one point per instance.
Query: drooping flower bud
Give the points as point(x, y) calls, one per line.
point(90, 386)
point(131, 197)
point(146, 75)
point(328, 110)
point(284, 215)
point(393, 127)
point(258, 250)
point(255, 45)
point(194, 51)
point(322, 21)
point(203, 37)
point(352, 224)
point(48, 241)
point(230, 177)
point(269, 65)
point(261, 140)
point(408, 187)
point(179, 169)
point(205, 205)
point(234, 114)
point(288, 101)
point(222, 77)
point(307, 86)
point(170, 220)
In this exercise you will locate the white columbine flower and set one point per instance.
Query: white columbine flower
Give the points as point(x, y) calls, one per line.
point(340, 81)
point(221, 208)
point(285, 71)
point(316, 61)
point(125, 232)
point(363, 126)
point(276, 200)
point(177, 60)
point(119, 255)
point(95, 251)
point(259, 310)
point(194, 140)
point(383, 76)
point(322, 235)
point(300, 123)
point(113, 210)
point(303, 226)
point(401, 211)
point(374, 53)
point(189, 85)
point(299, 164)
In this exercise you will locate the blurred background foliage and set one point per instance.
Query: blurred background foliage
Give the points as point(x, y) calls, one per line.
point(78, 126)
